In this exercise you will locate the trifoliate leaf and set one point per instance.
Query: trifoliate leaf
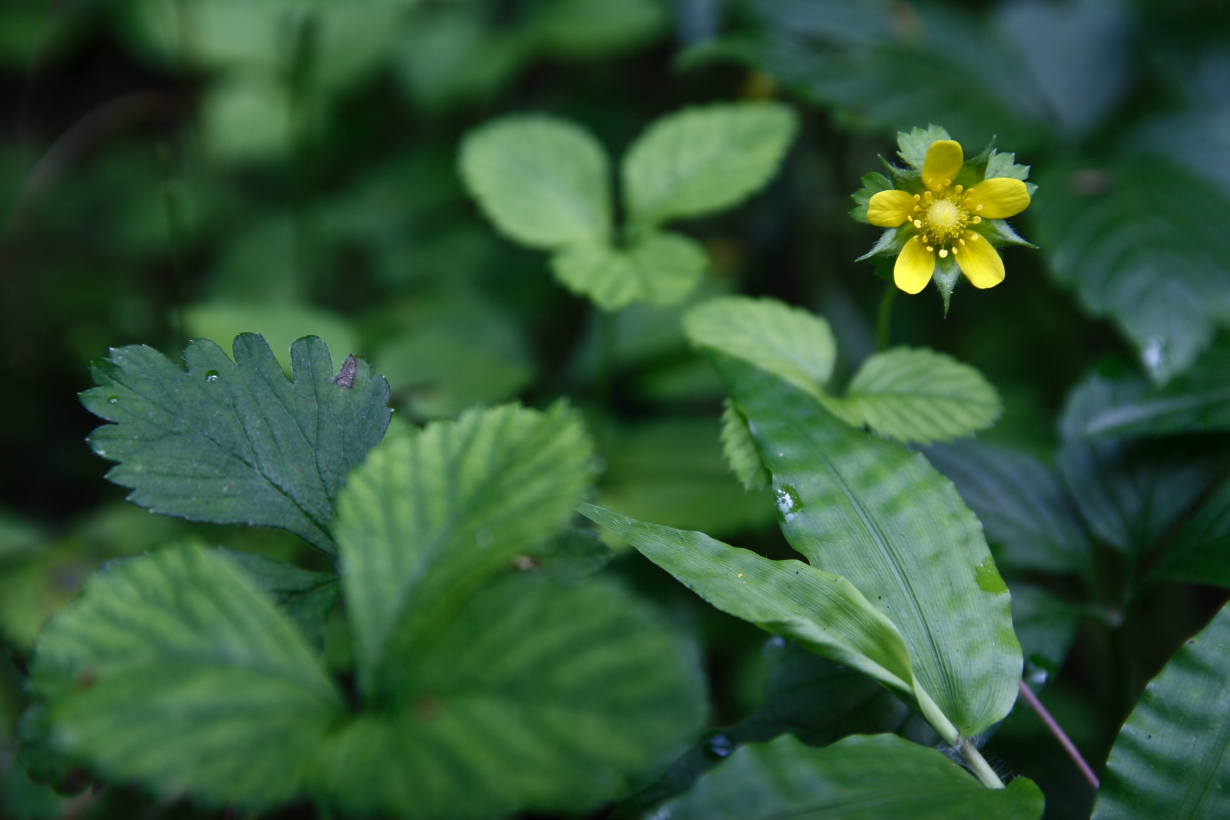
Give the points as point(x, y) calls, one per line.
point(233, 441)
point(914, 145)
point(434, 513)
point(173, 670)
point(660, 268)
point(740, 450)
point(543, 181)
point(306, 596)
point(531, 696)
point(918, 395)
point(701, 160)
point(788, 341)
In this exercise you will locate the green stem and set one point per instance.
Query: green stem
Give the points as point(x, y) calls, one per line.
point(982, 770)
point(886, 316)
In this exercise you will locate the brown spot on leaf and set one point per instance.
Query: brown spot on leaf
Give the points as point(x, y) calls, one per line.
point(350, 367)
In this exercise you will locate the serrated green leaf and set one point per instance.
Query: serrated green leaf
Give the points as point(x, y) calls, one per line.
point(823, 612)
point(1196, 401)
point(433, 514)
point(280, 325)
point(306, 597)
point(740, 450)
point(914, 145)
point(659, 268)
point(866, 509)
point(918, 395)
point(872, 185)
point(1129, 493)
point(1172, 757)
point(172, 669)
point(788, 341)
point(234, 442)
point(701, 160)
point(1003, 165)
point(543, 181)
point(1022, 505)
point(1124, 224)
point(533, 696)
point(864, 777)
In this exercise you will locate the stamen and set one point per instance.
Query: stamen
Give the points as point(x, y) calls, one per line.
point(917, 223)
point(943, 253)
point(972, 235)
point(977, 219)
point(917, 197)
point(954, 251)
point(917, 238)
point(926, 194)
point(947, 182)
point(958, 189)
point(978, 208)
point(930, 249)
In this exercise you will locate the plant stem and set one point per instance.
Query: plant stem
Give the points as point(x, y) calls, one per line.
point(885, 317)
point(982, 770)
point(1060, 735)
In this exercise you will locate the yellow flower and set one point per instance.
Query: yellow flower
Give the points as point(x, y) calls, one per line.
point(942, 219)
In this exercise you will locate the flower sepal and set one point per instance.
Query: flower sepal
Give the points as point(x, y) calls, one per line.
point(946, 275)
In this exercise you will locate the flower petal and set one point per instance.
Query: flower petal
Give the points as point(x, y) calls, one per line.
point(942, 164)
point(888, 209)
point(980, 262)
point(997, 198)
point(914, 266)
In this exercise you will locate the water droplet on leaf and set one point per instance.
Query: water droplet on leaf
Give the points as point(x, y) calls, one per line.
point(211, 376)
point(788, 503)
point(718, 747)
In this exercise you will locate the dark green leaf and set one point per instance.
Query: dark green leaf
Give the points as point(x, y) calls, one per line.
point(173, 670)
point(434, 513)
point(1199, 553)
point(534, 696)
point(1046, 627)
point(1171, 757)
point(866, 509)
point(234, 442)
point(306, 596)
point(823, 612)
point(1022, 506)
point(864, 777)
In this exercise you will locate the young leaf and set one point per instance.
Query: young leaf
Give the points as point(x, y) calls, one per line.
point(533, 696)
point(660, 268)
point(543, 181)
point(740, 450)
point(866, 509)
point(1022, 506)
point(433, 514)
point(823, 612)
point(702, 160)
point(234, 442)
point(864, 777)
point(791, 342)
point(918, 395)
point(1172, 757)
point(172, 669)
point(1197, 401)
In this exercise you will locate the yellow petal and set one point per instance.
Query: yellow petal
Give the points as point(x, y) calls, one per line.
point(914, 267)
point(980, 262)
point(942, 164)
point(888, 209)
point(998, 198)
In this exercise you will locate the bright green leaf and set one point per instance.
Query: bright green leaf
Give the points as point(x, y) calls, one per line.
point(879, 515)
point(914, 145)
point(543, 181)
point(172, 669)
point(660, 268)
point(234, 442)
point(433, 513)
point(1022, 505)
point(1172, 757)
point(864, 777)
point(701, 160)
point(918, 395)
point(741, 452)
point(823, 612)
point(788, 341)
point(532, 696)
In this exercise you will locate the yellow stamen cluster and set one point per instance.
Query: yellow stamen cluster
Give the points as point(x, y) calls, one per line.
point(940, 218)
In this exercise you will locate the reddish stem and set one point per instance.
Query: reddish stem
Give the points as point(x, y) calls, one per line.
point(1060, 735)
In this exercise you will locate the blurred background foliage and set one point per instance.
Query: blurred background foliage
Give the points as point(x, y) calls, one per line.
point(172, 169)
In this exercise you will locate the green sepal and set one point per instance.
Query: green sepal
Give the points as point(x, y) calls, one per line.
point(999, 233)
point(914, 145)
point(946, 275)
point(873, 184)
point(890, 243)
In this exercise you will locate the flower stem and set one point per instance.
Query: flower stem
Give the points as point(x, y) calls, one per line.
point(886, 316)
point(982, 770)
point(1060, 735)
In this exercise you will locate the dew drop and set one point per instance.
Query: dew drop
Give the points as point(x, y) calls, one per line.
point(113, 399)
point(788, 503)
point(211, 376)
point(718, 747)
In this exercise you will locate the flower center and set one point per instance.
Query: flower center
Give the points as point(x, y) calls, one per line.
point(941, 219)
